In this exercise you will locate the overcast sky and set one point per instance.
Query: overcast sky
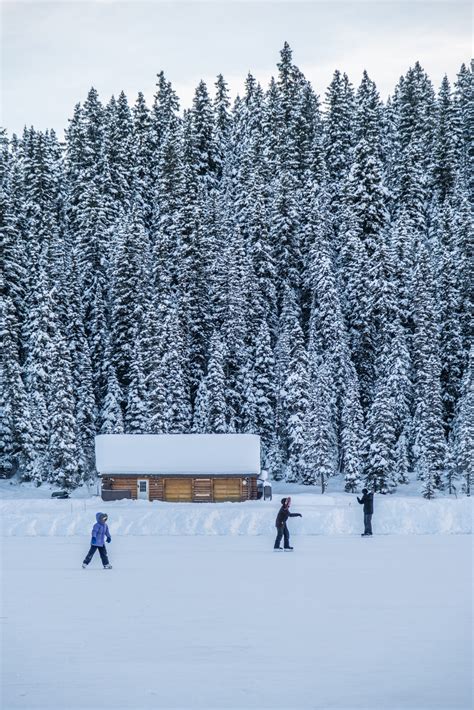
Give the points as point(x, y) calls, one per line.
point(52, 52)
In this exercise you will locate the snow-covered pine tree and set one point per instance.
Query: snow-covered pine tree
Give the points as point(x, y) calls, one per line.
point(285, 233)
point(141, 167)
point(450, 292)
point(164, 111)
point(293, 394)
point(201, 410)
point(63, 449)
point(235, 328)
point(338, 143)
point(381, 430)
point(414, 105)
point(216, 406)
point(12, 246)
point(174, 368)
point(118, 142)
point(16, 447)
point(355, 289)
point(366, 223)
point(136, 410)
point(247, 419)
point(327, 326)
point(320, 451)
point(261, 251)
point(192, 292)
point(445, 143)
point(464, 118)
point(339, 127)
point(451, 473)
point(37, 369)
point(264, 388)
point(111, 415)
point(202, 148)
point(85, 413)
point(402, 460)
point(223, 125)
point(463, 429)
point(353, 440)
point(130, 288)
point(429, 445)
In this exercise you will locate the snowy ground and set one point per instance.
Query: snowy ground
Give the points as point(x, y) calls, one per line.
point(224, 622)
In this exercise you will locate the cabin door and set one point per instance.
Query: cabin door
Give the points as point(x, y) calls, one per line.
point(227, 489)
point(142, 489)
point(178, 490)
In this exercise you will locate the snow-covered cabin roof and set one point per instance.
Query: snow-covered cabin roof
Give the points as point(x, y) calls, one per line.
point(178, 454)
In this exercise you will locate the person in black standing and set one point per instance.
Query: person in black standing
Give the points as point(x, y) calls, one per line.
point(367, 501)
point(280, 524)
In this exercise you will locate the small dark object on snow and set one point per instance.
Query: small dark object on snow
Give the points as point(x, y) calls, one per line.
point(264, 489)
point(60, 494)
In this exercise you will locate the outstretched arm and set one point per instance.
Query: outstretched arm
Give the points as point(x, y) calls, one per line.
point(295, 515)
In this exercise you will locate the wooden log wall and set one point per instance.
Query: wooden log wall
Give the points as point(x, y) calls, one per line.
point(156, 488)
point(202, 489)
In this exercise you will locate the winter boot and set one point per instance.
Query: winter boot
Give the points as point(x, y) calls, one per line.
point(278, 548)
point(288, 548)
point(107, 566)
point(84, 566)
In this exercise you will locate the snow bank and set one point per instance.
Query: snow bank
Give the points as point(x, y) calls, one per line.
point(338, 514)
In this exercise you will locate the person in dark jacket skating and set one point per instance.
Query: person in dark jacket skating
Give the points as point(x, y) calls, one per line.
point(280, 524)
point(367, 501)
point(100, 533)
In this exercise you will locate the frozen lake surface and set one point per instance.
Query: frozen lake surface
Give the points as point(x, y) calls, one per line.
point(224, 622)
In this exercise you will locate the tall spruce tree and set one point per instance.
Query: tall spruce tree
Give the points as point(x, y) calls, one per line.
point(463, 429)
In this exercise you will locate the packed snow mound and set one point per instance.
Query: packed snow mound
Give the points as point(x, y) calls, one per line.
point(337, 514)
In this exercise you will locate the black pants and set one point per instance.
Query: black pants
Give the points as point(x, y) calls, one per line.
point(368, 523)
point(102, 552)
point(282, 532)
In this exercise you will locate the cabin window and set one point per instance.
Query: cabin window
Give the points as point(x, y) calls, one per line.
point(142, 486)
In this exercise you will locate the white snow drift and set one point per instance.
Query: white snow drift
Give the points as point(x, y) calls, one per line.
point(337, 514)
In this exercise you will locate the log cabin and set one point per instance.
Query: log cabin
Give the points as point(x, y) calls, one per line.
point(204, 468)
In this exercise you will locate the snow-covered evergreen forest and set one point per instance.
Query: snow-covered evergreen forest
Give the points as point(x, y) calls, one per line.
point(288, 265)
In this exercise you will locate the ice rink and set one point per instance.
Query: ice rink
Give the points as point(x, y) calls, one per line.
point(224, 622)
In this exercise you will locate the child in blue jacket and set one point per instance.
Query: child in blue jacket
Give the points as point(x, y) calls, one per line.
point(100, 533)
